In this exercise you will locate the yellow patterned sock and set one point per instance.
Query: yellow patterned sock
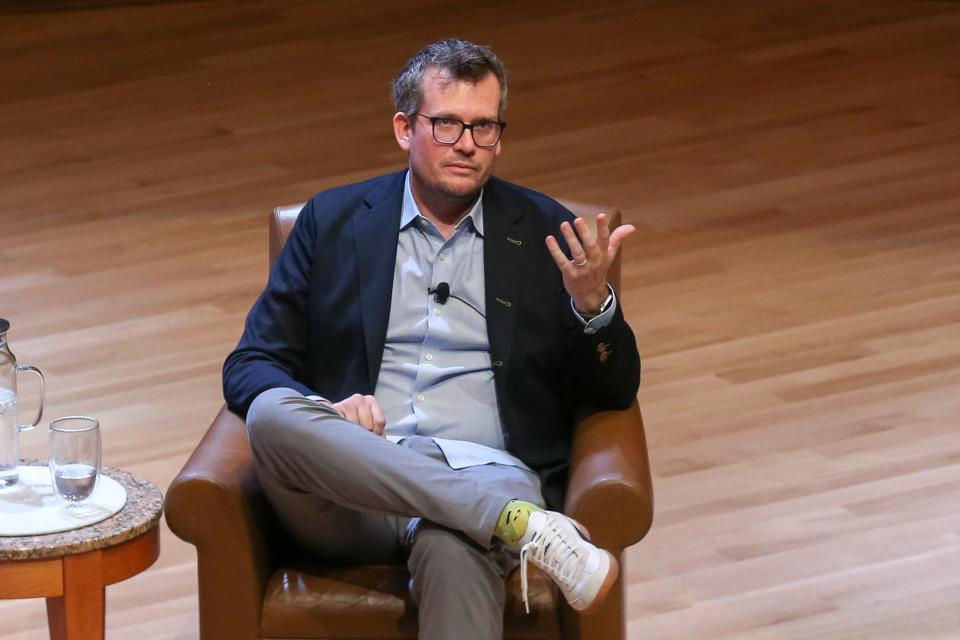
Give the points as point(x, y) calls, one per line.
point(512, 523)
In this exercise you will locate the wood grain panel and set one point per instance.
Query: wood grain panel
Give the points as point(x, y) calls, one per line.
point(791, 167)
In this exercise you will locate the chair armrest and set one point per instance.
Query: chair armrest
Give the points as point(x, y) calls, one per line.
point(609, 490)
point(216, 504)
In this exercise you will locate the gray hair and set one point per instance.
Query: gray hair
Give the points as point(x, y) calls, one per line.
point(461, 59)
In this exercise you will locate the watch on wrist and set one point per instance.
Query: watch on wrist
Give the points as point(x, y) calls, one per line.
point(603, 308)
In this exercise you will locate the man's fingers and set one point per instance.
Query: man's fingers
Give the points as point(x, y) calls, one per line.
point(559, 257)
point(349, 411)
point(598, 250)
point(336, 406)
point(603, 232)
point(376, 414)
point(577, 253)
point(369, 413)
point(588, 241)
point(619, 235)
point(363, 411)
point(364, 415)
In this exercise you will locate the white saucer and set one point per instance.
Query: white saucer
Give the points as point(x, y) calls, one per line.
point(32, 507)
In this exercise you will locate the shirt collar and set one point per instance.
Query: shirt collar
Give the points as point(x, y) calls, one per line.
point(410, 211)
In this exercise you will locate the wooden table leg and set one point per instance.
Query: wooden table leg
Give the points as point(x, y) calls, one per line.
point(79, 613)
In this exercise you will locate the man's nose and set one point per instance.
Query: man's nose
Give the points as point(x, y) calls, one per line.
point(466, 144)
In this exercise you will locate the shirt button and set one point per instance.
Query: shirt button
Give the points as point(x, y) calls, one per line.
point(442, 257)
point(429, 357)
point(420, 398)
point(436, 312)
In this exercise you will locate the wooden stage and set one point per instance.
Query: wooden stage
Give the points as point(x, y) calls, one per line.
point(793, 168)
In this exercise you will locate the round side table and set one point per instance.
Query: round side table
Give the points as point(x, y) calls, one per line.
point(71, 569)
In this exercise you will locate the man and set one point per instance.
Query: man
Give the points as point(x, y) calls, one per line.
point(409, 373)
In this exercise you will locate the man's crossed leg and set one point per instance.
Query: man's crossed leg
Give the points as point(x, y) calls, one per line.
point(348, 495)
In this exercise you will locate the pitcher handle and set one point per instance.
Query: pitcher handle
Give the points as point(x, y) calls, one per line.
point(28, 368)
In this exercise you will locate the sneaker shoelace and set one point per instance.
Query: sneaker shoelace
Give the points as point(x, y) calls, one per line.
point(564, 563)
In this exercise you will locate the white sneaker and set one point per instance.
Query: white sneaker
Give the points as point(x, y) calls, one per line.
point(561, 548)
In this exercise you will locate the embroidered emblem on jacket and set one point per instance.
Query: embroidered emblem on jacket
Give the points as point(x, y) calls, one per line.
point(603, 350)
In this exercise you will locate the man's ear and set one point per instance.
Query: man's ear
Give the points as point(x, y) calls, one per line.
point(402, 130)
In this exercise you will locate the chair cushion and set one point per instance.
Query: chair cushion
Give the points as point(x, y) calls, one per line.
point(373, 601)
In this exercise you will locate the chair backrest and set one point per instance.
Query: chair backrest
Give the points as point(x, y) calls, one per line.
point(283, 218)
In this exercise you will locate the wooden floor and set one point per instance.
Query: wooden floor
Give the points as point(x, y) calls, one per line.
point(793, 167)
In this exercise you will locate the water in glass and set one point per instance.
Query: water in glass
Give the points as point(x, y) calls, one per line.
point(74, 457)
point(75, 482)
point(9, 439)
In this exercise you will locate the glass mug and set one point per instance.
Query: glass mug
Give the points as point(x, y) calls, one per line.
point(74, 458)
point(9, 429)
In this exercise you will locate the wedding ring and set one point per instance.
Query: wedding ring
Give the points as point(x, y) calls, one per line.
point(581, 263)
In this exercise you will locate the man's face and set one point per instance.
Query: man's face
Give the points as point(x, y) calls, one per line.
point(449, 171)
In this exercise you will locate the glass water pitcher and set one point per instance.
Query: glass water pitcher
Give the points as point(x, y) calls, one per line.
point(9, 427)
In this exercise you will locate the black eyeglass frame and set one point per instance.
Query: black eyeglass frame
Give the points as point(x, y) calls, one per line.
point(463, 127)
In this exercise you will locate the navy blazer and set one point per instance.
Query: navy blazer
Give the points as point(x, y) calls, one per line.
point(320, 325)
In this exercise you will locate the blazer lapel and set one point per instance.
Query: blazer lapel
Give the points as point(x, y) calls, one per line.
point(506, 244)
point(376, 233)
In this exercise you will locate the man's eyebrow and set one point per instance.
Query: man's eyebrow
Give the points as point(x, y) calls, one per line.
point(453, 116)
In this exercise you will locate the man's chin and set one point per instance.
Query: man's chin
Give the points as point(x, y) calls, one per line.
point(463, 189)
point(455, 188)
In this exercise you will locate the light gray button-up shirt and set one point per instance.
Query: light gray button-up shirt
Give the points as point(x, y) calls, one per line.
point(436, 377)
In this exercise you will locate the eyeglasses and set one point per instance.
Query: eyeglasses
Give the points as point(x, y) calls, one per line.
point(486, 133)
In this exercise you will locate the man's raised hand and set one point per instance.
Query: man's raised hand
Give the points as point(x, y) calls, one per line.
point(585, 272)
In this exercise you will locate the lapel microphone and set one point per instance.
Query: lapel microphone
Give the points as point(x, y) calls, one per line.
point(441, 293)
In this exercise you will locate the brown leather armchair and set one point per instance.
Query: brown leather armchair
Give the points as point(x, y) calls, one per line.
point(253, 583)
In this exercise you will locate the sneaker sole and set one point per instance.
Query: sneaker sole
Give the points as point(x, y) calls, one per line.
point(608, 581)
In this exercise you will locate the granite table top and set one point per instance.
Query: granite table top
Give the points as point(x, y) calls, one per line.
point(140, 514)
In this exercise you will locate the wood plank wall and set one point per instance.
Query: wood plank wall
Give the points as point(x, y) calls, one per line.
point(792, 167)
